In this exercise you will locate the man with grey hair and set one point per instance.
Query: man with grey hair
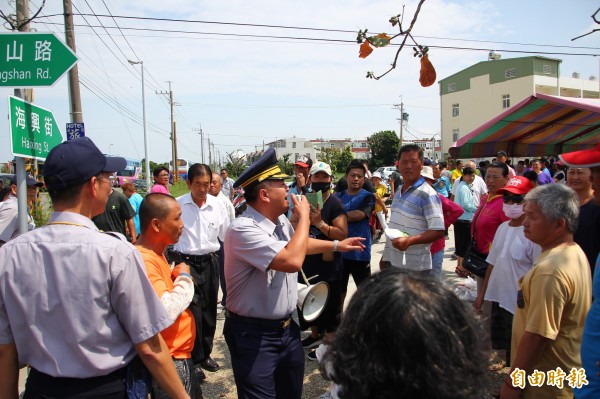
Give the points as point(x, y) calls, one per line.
point(478, 186)
point(553, 298)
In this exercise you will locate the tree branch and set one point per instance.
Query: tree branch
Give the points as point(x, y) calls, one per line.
point(593, 30)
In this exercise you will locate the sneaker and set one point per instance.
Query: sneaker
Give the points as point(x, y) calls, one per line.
point(310, 342)
point(312, 356)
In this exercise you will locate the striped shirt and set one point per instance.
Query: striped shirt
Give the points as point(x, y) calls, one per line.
point(416, 211)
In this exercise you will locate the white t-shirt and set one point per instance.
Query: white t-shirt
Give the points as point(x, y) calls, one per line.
point(479, 188)
point(512, 256)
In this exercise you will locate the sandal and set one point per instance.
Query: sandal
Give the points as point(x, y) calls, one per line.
point(461, 272)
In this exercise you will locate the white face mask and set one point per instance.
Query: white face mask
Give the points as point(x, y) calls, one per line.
point(513, 211)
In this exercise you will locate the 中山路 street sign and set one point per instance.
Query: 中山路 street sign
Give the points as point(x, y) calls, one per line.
point(33, 59)
point(33, 129)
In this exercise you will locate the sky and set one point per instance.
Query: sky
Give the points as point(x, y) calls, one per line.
point(246, 85)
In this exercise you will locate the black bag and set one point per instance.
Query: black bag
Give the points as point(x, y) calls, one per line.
point(474, 261)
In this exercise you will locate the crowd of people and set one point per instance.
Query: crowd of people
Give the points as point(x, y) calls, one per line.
point(120, 293)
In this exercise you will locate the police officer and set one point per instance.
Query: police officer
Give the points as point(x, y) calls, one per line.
point(262, 256)
point(9, 213)
point(75, 303)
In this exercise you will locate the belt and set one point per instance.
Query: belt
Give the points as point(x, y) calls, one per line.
point(194, 258)
point(267, 323)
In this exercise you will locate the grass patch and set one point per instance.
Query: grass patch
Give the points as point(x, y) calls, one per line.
point(178, 189)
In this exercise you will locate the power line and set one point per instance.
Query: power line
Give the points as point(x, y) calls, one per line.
point(115, 21)
point(344, 41)
point(319, 30)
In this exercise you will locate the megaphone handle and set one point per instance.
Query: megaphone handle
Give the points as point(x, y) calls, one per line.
point(305, 278)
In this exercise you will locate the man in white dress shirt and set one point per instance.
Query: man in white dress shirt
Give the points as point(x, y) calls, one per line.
point(205, 221)
point(479, 186)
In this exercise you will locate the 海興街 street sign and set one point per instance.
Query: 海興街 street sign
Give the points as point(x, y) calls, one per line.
point(33, 59)
point(33, 129)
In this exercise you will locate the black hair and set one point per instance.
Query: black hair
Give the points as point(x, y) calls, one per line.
point(4, 192)
point(65, 196)
point(159, 169)
point(468, 171)
point(443, 164)
point(500, 165)
point(410, 148)
point(356, 164)
point(399, 334)
point(251, 193)
point(199, 169)
point(532, 176)
point(154, 206)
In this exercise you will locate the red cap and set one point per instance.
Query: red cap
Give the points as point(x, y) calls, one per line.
point(304, 161)
point(517, 185)
point(582, 159)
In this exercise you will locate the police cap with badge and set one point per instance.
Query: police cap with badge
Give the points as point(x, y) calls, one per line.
point(265, 168)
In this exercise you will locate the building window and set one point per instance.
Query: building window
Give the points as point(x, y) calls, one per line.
point(451, 87)
point(455, 110)
point(363, 145)
point(547, 69)
point(505, 101)
point(454, 135)
point(510, 73)
point(294, 144)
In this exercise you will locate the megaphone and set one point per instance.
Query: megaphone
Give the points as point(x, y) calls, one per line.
point(312, 299)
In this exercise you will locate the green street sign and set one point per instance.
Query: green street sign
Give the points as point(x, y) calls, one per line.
point(33, 59)
point(33, 130)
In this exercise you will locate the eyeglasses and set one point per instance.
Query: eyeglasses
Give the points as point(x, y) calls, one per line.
point(103, 178)
point(515, 198)
point(163, 175)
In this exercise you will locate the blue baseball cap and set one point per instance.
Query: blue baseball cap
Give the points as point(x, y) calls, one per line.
point(76, 161)
point(30, 181)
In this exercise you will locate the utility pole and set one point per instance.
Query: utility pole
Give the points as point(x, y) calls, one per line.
point(201, 141)
point(26, 94)
point(214, 154)
point(402, 118)
point(173, 133)
point(74, 92)
point(209, 153)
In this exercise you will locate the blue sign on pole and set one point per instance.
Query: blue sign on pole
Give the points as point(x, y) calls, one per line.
point(75, 130)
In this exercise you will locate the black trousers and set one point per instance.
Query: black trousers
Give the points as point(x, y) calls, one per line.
point(205, 273)
point(267, 362)
point(44, 386)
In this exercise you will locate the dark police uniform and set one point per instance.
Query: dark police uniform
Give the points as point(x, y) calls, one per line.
point(264, 342)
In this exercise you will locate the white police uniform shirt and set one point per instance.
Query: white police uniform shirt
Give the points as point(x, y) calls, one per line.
point(202, 226)
point(253, 290)
point(74, 301)
point(9, 219)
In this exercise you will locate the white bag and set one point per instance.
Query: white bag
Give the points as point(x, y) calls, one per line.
point(467, 291)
